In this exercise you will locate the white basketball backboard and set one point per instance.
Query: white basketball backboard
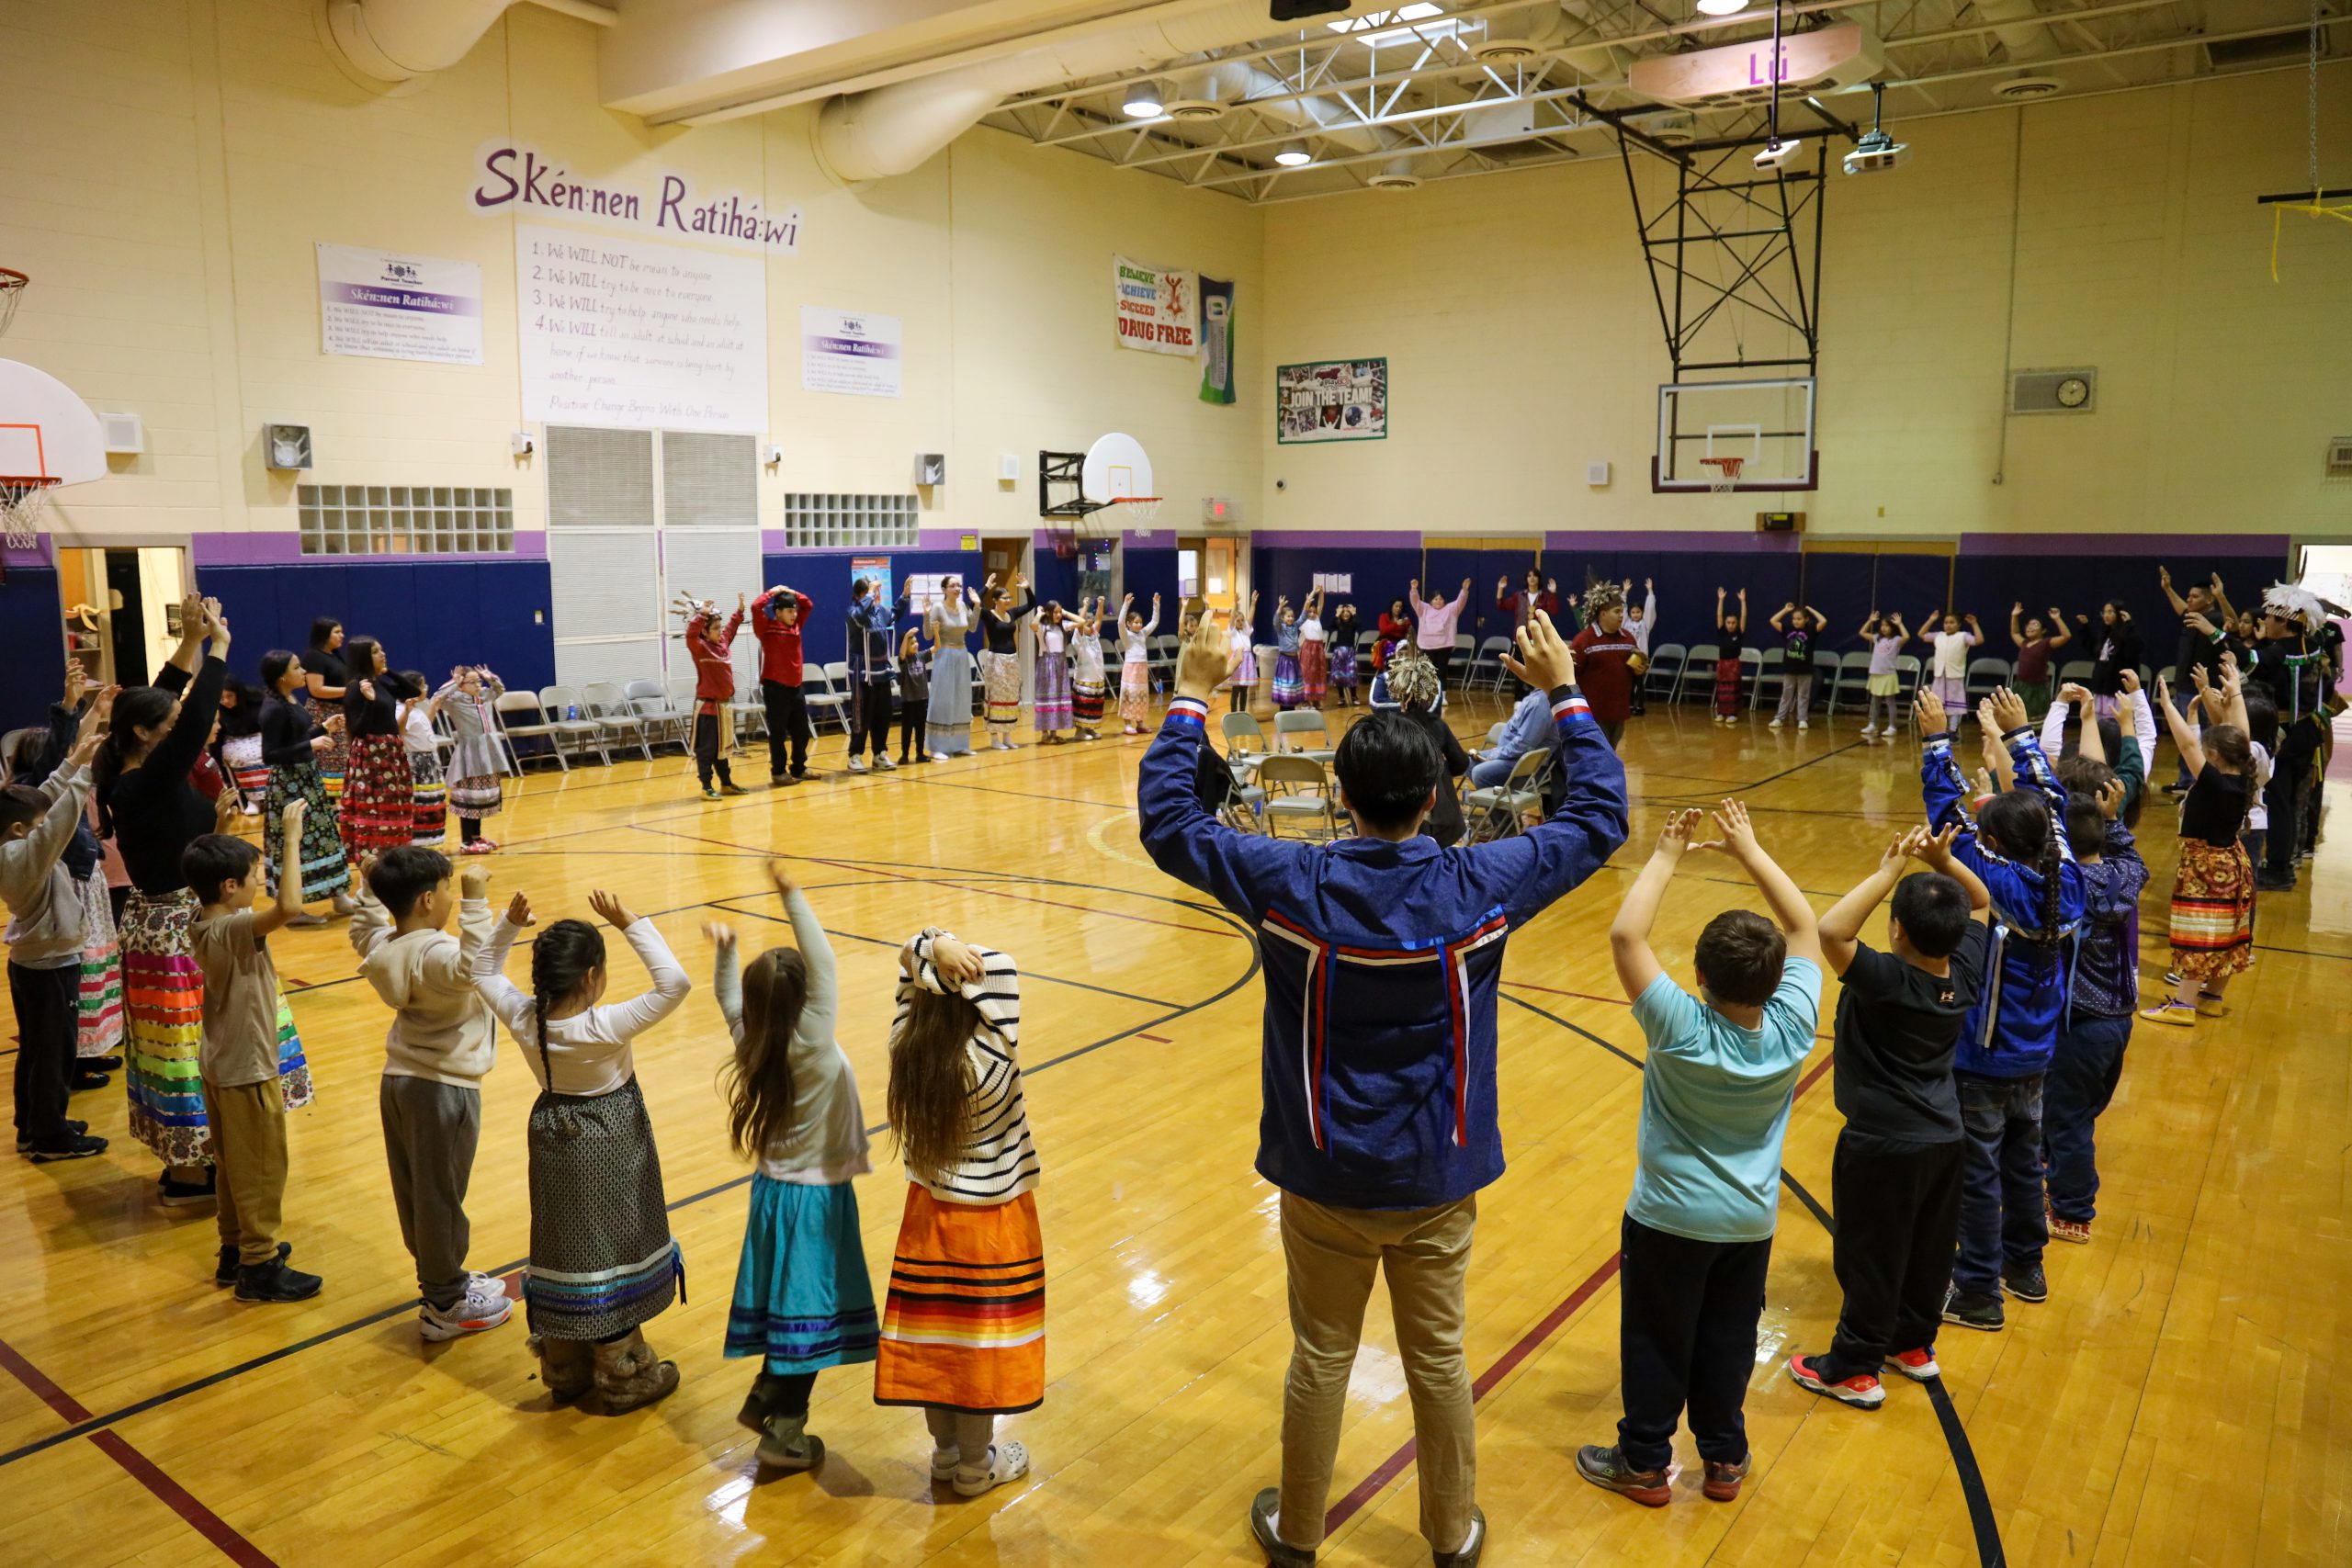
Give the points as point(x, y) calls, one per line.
point(47, 432)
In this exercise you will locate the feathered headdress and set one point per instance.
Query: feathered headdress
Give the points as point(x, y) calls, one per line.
point(2299, 604)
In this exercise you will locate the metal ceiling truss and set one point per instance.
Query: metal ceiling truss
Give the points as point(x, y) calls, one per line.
point(1417, 91)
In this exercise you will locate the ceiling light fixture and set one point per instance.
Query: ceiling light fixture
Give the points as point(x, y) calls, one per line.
point(1145, 100)
point(1293, 155)
point(1722, 7)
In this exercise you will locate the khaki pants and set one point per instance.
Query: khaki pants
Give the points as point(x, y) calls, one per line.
point(249, 1159)
point(1332, 1255)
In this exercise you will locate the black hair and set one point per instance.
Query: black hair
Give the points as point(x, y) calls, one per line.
point(417, 685)
point(1740, 957)
point(245, 718)
point(274, 665)
point(20, 804)
point(562, 959)
point(213, 859)
point(2261, 718)
point(405, 873)
point(359, 655)
point(2085, 826)
point(322, 629)
point(1387, 765)
point(1933, 912)
point(857, 588)
point(2018, 823)
point(23, 750)
point(133, 708)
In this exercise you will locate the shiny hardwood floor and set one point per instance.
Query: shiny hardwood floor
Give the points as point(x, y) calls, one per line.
point(2173, 1402)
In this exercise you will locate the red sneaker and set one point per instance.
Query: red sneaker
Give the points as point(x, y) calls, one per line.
point(2076, 1231)
point(1862, 1391)
point(1722, 1480)
point(1918, 1365)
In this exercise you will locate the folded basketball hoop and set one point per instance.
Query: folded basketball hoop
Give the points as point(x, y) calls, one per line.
point(1727, 472)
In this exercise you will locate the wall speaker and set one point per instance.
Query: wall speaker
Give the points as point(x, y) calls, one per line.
point(286, 447)
point(930, 468)
point(1596, 474)
point(125, 435)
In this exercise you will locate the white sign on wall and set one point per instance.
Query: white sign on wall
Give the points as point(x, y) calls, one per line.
point(1158, 308)
point(630, 332)
point(848, 351)
point(381, 306)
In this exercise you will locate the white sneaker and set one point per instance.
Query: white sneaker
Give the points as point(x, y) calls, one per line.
point(476, 1312)
point(884, 765)
point(1775, 724)
point(1802, 725)
point(857, 764)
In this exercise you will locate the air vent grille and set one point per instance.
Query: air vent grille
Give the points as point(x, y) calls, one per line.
point(2264, 49)
point(2339, 457)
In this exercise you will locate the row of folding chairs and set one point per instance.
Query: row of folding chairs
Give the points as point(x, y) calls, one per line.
point(1291, 783)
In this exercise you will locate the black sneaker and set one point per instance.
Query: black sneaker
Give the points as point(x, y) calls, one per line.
point(1472, 1548)
point(101, 1064)
point(72, 1146)
point(1970, 1310)
point(1279, 1552)
point(2270, 883)
point(2028, 1285)
point(24, 1145)
point(87, 1080)
point(273, 1281)
point(225, 1273)
point(2175, 787)
point(183, 1194)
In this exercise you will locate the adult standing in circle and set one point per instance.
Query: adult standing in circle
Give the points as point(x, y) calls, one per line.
point(1000, 657)
point(147, 804)
point(1434, 624)
point(292, 745)
point(947, 720)
point(324, 677)
point(379, 806)
point(2121, 648)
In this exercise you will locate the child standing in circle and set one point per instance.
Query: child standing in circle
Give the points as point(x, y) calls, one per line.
point(1729, 628)
point(1799, 626)
point(1886, 634)
point(1051, 631)
point(914, 696)
point(803, 1300)
point(964, 1326)
point(2037, 639)
point(1288, 687)
point(1343, 655)
point(475, 793)
point(2212, 886)
point(1085, 675)
point(294, 746)
point(1134, 664)
point(1314, 653)
point(379, 806)
point(1948, 674)
point(428, 790)
point(1243, 651)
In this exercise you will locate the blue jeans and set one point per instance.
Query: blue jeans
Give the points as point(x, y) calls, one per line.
point(1485, 775)
point(2001, 1225)
point(2082, 1075)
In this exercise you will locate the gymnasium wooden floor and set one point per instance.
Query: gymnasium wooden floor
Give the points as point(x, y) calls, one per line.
point(2173, 1403)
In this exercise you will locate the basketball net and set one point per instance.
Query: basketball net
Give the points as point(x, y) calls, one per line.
point(20, 507)
point(1135, 512)
point(12, 289)
point(1727, 472)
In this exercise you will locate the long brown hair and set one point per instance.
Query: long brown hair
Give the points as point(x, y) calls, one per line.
point(759, 1080)
point(930, 1101)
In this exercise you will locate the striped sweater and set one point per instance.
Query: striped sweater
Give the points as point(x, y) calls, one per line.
point(1000, 1159)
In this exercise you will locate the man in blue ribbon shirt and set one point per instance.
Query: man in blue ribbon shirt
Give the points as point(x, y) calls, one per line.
point(1382, 954)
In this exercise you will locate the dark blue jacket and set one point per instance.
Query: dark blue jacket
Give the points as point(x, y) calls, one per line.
point(873, 627)
point(2107, 971)
point(1381, 963)
point(2013, 1026)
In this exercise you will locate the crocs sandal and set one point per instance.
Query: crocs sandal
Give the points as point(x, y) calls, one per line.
point(1007, 1462)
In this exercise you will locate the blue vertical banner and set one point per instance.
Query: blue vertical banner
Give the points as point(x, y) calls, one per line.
point(1216, 341)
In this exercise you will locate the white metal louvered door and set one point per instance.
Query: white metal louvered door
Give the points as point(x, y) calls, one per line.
point(633, 518)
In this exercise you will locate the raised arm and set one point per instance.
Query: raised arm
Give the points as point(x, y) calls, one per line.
point(1935, 851)
point(2016, 634)
point(1152, 624)
point(988, 979)
point(1781, 894)
point(670, 985)
point(2163, 579)
point(2061, 634)
point(506, 1000)
point(1782, 613)
point(819, 1011)
point(193, 622)
point(1841, 926)
point(2183, 734)
point(2143, 722)
point(1527, 872)
point(1240, 871)
point(1629, 934)
point(2222, 599)
point(288, 903)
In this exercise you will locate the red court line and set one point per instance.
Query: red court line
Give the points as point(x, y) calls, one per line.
point(1155, 1039)
point(1395, 1465)
point(139, 1467)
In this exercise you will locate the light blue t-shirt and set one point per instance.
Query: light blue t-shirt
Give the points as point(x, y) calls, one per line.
point(1714, 1104)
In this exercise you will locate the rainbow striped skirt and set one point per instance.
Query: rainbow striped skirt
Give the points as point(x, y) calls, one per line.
point(100, 1012)
point(964, 1323)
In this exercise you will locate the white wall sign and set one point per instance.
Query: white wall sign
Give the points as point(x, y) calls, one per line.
point(625, 332)
point(847, 351)
point(511, 177)
point(1159, 308)
point(381, 306)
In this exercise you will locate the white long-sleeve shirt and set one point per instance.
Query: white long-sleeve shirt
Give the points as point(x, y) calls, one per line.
point(587, 1054)
point(1642, 628)
point(1000, 1158)
point(826, 1143)
point(2143, 728)
point(1134, 646)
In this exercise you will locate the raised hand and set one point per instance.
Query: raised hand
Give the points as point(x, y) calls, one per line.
point(1738, 834)
point(2128, 679)
point(293, 817)
point(1541, 658)
point(1929, 709)
point(518, 912)
point(1205, 660)
point(474, 881)
point(2110, 799)
point(2163, 575)
point(611, 909)
point(722, 934)
point(780, 874)
point(368, 690)
point(2007, 708)
point(2074, 693)
point(1674, 837)
point(957, 962)
point(1934, 849)
point(1899, 850)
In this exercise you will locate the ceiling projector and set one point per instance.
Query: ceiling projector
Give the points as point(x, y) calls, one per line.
point(1875, 153)
point(1778, 150)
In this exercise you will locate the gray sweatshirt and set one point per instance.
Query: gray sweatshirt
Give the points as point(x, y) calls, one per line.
point(441, 1028)
point(45, 923)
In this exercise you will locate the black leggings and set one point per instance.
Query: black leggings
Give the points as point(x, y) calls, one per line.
point(870, 723)
point(912, 714)
point(707, 757)
point(787, 1392)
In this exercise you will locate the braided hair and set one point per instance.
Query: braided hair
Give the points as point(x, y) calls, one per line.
point(2019, 824)
point(567, 953)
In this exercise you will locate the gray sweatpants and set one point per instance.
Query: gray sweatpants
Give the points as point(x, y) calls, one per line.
point(430, 1131)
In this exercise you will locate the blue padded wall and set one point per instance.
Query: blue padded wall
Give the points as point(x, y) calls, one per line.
point(32, 645)
point(429, 615)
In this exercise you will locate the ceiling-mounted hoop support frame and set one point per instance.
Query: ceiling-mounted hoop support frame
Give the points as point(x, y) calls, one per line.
point(1060, 485)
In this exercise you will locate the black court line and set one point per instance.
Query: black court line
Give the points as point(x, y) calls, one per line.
point(140, 1407)
point(1622, 1054)
point(1784, 773)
